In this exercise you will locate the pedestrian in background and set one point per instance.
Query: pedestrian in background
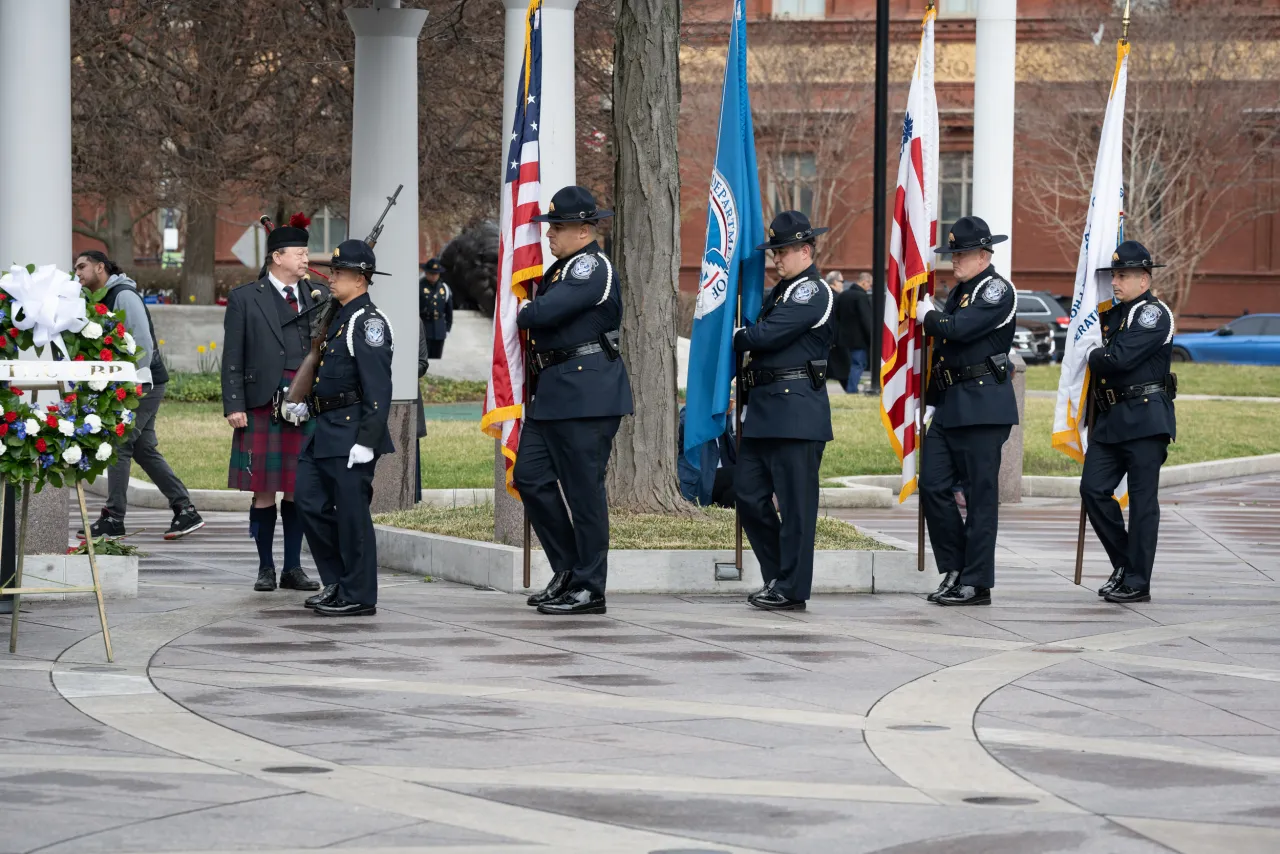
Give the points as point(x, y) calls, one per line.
point(838, 364)
point(853, 329)
point(435, 307)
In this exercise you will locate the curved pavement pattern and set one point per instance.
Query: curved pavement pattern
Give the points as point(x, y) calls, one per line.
point(458, 722)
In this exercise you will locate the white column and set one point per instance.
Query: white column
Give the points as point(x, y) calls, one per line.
point(993, 92)
point(35, 146)
point(384, 153)
point(557, 133)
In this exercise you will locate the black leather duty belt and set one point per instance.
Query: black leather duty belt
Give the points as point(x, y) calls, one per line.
point(324, 404)
point(755, 378)
point(546, 359)
point(1109, 397)
point(944, 378)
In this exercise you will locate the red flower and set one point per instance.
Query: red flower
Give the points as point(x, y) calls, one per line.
point(119, 429)
point(108, 341)
point(13, 332)
point(79, 357)
point(3, 296)
point(42, 445)
point(121, 393)
point(104, 356)
point(16, 390)
point(120, 329)
point(4, 428)
point(71, 398)
point(137, 390)
point(51, 407)
point(4, 342)
point(52, 421)
point(11, 417)
point(100, 308)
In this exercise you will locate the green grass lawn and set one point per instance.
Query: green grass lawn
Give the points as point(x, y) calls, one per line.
point(196, 440)
point(1228, 380)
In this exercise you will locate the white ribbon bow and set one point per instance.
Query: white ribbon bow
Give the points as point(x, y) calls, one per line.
point(49, 301)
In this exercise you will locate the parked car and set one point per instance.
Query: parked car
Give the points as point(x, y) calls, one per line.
point(1250, 340)
point(1044, 307)
point(1034, 341)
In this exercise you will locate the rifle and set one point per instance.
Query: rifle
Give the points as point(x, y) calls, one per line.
point(305, 377)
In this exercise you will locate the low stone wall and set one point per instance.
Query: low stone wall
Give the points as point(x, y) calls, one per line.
point(118, 575)
point(183, 328)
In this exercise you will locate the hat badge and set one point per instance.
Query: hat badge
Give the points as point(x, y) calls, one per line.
point(951, 238)
point(771, 232)
point(1115, 256)
point(551, 207)
point(335, 253)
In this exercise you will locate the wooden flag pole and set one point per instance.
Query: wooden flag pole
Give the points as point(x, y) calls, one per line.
point(1090, 410)
point(737, 442)
point(924, 389)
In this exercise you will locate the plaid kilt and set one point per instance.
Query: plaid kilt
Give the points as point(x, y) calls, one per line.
point(264, 454)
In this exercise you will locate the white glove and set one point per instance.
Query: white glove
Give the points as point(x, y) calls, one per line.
point(736, 330)
point(296, 413)
point(359, 454)
point(523, 303)
point(924, 305)
point(928, 415)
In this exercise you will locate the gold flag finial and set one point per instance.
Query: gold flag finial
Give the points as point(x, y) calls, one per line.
point(1124, 24)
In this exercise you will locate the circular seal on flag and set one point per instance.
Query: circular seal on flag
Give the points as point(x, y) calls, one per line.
point(584, 267)
point(804, 293)
point(994, 291)
point(1149, 316)
point(375, 332)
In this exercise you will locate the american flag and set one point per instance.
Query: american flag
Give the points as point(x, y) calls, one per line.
point(915, 226)
point(519, 252)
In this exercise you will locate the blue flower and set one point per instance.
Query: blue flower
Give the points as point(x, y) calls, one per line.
point(46, 460)
point(64, 408)
point(83, 465)
point(4, 315)
point(20, 429)
point(127, 417)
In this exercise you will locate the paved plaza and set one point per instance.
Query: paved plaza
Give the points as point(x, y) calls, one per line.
point(458, 722)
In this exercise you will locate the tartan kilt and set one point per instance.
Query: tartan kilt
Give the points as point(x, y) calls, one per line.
point(264, 454)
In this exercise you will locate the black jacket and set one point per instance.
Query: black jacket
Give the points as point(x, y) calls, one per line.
point(435, 308)
point(423, 364)
point(579, 300)
point(253, 355)
point(1136, 350)
point(357, 357)
point(853, 318)
point(977, 322)
point(796, 326)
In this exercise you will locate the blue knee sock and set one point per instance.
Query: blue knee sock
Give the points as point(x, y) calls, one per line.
point(292, 534)
point(262, 528)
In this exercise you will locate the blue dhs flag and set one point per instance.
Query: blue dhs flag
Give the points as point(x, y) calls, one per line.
point(731, 266)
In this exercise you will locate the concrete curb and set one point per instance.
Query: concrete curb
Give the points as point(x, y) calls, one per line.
point(641, 571)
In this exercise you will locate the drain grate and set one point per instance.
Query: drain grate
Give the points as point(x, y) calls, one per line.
point(919, 728)
point(993, 801)
point(297, 769)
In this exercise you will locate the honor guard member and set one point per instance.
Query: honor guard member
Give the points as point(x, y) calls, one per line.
point(1134, 422)
point(971, 393)
point(350, 402)
point(579, 393)
point(435, 307)
point(787, 422)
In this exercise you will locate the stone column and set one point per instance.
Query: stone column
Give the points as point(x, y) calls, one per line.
point(1011, 453)
point(35, 179)
point(557, 162)
point(384, 153)
point(993, 93)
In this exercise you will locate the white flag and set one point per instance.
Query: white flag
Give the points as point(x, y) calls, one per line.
point(1101, 235)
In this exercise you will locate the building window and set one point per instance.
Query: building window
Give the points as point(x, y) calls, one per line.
point(327, 231)
point(793, 182)
point(955, 189)
point(800, 9)
point(958, 9)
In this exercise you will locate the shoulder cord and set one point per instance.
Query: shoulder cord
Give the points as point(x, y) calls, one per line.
point(1012, 312)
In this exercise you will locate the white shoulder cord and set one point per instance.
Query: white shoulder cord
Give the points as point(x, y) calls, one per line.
point(1012, 312)
point(1138, 305)
point(391, 332)
point(608, 280)
point(351, 333)
point(831, 301)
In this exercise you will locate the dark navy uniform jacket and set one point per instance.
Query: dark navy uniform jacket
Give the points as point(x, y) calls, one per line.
point(976, 322)
point(1137, 349)
point(579, 300)
point(357, 357)
point(435, 308)
point(796, 325)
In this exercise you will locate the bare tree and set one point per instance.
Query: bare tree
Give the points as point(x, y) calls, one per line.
point(646, 104)
point(1200, 132)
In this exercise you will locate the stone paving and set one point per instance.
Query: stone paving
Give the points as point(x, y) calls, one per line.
point(457, 721)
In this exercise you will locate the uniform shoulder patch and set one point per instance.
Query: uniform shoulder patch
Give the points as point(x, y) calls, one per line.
point(804, 293)
point(1149, 316)
point(583, 267)
point(994, 291)
point(375, 332)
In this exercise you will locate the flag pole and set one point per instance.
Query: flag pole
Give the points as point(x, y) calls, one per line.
point(527, 545)
point(924, 391)
point(737, 439)
point(879, 199)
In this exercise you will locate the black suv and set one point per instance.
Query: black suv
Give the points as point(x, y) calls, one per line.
point(1044, 307)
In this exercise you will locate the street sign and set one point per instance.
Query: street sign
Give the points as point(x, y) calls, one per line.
point(251, 247)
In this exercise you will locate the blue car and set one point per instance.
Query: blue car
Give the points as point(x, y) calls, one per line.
point(1250, 340)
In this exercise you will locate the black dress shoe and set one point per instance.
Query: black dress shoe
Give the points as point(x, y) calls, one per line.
point(266, 579)
point(578, 601)
point(557, 587)
point(772, 600)
point(754, 593)
point(948, 581)
point(296, 579)
point(1116, 579)
point(965, 594)
point(1126, 595)
point(343, 608)
point(327, 596)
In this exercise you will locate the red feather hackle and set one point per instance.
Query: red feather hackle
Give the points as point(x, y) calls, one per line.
point(299, 220)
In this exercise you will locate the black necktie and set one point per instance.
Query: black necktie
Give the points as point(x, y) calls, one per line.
point(290, 298)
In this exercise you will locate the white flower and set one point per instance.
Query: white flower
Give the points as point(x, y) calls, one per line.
point(33, 426)
point(92, 330)
point(97, 385)
point(66, 427)
point(72, 455)
point(130, 346)
point(127, 417)
point(104, 452)
point(93, 422)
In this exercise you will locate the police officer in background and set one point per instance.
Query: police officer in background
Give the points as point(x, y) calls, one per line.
point(579, 394)
point(971, 395)
point(787, 421)
point(350, 401)
point(1133, 424)
point(435, 307)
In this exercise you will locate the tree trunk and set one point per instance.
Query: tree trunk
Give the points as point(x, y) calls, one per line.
point(119, 231)
point(197, 284)
point(646, 244)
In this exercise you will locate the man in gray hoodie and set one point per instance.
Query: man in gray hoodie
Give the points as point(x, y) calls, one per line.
point(95, 270)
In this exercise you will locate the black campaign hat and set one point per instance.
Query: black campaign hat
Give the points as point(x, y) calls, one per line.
point(790, 227)
point(1130, 255)
point(970, 232)
point(352, 255)
point(433, 266)
point(573, 204)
